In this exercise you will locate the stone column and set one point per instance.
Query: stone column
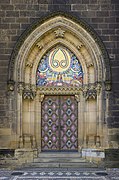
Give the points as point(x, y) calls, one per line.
point(79, 99)
point(19, 114)
point(99, 120)
point(38, 121)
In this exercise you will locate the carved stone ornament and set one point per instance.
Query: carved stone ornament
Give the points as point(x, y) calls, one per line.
point(77, 97)
point(39, 45)
point(91, 92)
point(28, 94)
point(80, 46)
point(59, 33)
point(41, 97)
point(107, 85)
point(29, 64)
point(10, 84)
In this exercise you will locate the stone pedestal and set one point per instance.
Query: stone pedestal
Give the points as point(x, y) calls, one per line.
point(25, 155)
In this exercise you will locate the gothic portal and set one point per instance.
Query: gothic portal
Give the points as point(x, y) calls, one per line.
point(61, 79)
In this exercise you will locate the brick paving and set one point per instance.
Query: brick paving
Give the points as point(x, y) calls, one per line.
point(59, 173)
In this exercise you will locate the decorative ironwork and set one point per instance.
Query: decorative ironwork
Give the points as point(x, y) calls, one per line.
point(59, 123)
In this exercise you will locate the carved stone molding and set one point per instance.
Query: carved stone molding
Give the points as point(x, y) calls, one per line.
point(59, 90)
point(59, 33)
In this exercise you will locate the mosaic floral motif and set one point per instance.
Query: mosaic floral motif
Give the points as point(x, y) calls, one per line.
point(59, 67)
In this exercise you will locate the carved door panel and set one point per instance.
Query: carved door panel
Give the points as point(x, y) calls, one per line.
point(59, 123)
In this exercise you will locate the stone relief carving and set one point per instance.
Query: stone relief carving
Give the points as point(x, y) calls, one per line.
point(29, 92)
point(77, 97)
point(10, 85)
point(26, 90)
point(39, 45)
point(80, 46)
point(41, 97)
point(107, 85)
point(91, 91)
point(29, 64)
point(59, 33)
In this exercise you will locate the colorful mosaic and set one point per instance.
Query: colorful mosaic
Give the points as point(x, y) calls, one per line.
point(59, 67)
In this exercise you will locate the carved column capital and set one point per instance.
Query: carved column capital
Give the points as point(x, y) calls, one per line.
point(27, 91)
point(41, 97)
point(90, 92)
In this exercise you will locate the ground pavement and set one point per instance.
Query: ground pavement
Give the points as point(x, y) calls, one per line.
point(59, 174)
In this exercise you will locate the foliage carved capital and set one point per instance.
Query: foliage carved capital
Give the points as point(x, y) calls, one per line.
point(91, 91)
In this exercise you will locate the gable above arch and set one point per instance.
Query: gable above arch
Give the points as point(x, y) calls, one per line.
point(59, 29)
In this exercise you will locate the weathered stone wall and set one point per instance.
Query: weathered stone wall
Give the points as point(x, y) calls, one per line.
point(17, 15)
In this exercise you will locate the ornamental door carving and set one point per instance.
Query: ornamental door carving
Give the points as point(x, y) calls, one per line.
point(59, 124)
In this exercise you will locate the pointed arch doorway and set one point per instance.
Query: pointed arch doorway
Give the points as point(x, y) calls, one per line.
point(59, 124)
point(59, 67)
point(60, 57)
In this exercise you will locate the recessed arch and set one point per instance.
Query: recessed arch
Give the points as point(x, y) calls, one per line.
point(60, 30)
point(83, 27)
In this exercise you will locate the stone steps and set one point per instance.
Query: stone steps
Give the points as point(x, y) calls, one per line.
point(62, 164)
point(63, 160)
point(55, 155)
point(59, 159)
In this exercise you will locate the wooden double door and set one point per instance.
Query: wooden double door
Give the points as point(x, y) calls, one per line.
point(59, 124)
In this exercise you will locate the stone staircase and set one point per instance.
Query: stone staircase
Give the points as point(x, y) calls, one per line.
point(62, 160)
